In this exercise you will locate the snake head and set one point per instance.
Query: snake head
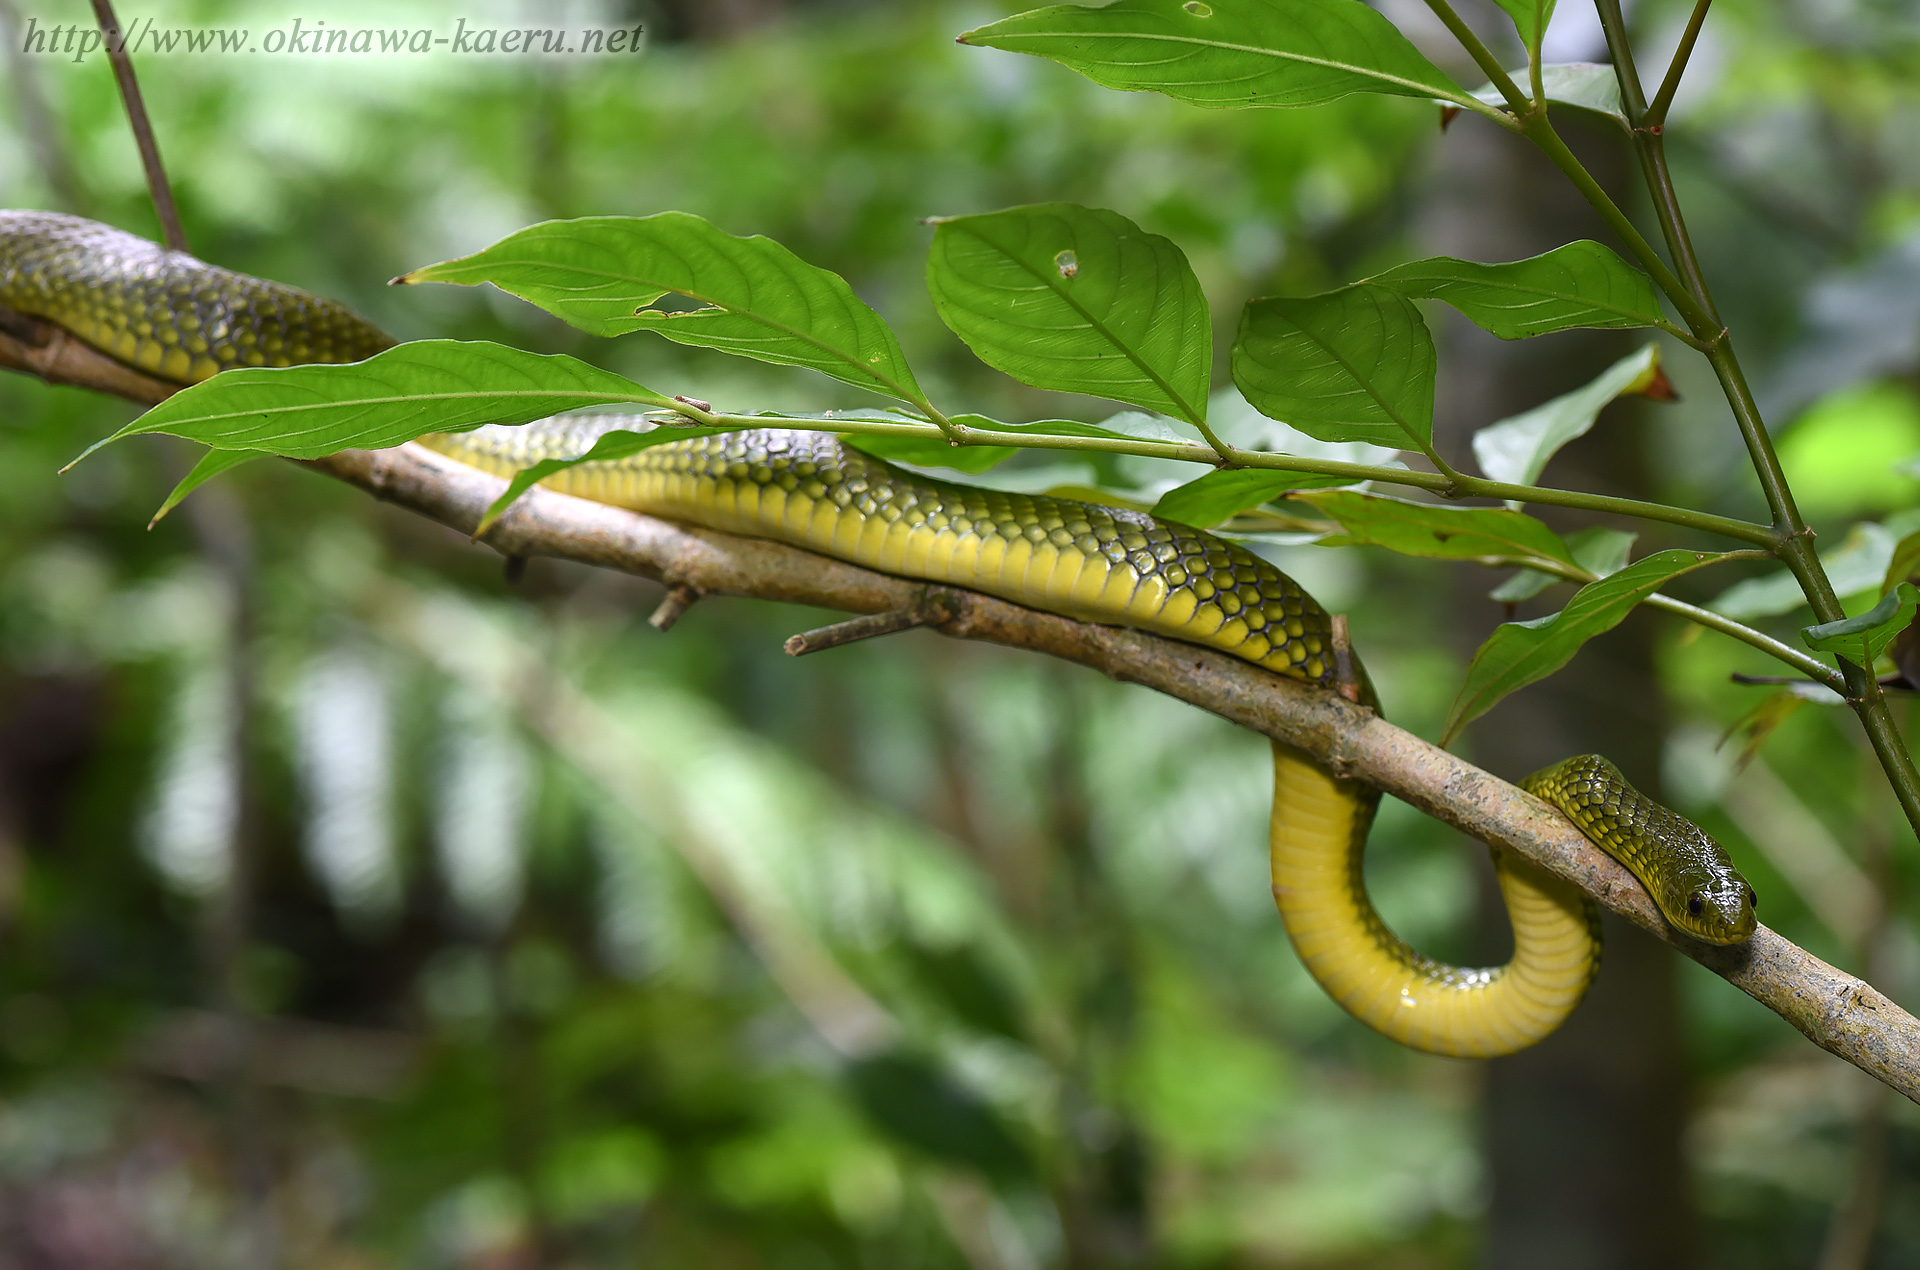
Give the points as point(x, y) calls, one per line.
point(1719, 911)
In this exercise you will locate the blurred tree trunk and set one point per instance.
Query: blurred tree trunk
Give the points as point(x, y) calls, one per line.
point(1582, 1132)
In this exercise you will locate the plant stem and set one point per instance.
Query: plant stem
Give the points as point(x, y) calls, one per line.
point(1812, 667)
point(157, 184)
point(1483, 57)
point(1656, 114)
point(1794, 540)
point(1457, 485)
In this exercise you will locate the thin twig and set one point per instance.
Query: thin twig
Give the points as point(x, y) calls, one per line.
point(933, 608)
point(673, 607)
point(157, 184)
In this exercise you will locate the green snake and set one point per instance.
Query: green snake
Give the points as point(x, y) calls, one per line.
point(174, 318)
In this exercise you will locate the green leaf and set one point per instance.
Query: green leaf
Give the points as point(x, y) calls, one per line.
point(1862, 639)
point(1355, 364)
point(1218, 496)
point(1598, 550)
point(1491, 534)
point(1516, 450)
point(758, 299)
point(1077, 299)
point(1901, 566)
point(307, 412)
point(617, 444)
point(1588, 86)
point(1530, 18)
point(1580, 285)
point(1229, 52)
point(1520, 653)
point(211, 464)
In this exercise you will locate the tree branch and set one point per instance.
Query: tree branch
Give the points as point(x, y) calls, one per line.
point(1838, 1012)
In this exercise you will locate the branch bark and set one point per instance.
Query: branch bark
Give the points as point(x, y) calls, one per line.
point(1839, 1012)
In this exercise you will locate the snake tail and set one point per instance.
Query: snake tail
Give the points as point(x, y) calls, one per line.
point(1109, 565)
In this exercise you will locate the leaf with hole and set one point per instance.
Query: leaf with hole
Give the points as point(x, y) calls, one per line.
point(755, 298)
point(1579, 286)
point(1489, 534)
point(307, 412)
point(1862, 639)
point(1517, 450)
point(1077, 299)
point(1229, 52)
point(1355, 364)
point(1520, 653)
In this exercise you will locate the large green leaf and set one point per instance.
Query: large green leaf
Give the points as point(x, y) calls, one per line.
point(1229, 52)
point(1862, 639)
point(1077, 299)
point(1491, 534)
point(1220, 495)
point(1579, 285)
point(1516, 450)
point(306, 412)
point(757, 299)
point(1520, 653)
point(1355, 364)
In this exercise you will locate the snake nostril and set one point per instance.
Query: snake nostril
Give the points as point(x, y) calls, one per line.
point(1696, 904)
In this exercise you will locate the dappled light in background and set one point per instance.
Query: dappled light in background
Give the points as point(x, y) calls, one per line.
point(571, 943)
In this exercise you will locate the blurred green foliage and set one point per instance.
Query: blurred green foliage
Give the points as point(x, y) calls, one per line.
point(548, 937)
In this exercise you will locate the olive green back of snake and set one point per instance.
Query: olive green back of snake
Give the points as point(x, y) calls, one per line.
point(164, 312)
point(176, 318)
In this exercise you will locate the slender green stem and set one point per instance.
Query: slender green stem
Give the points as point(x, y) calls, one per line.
point(1456, 485)
point(1794, 541)
point(1656, 114)
point(1483, 57)
point(1812, 667)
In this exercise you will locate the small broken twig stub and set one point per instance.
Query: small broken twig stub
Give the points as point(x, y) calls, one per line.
point(936, 606)
point(673, 606)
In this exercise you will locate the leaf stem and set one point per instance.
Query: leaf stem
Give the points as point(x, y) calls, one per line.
point(1793, 539)
point(1656, 114)
point(1809, 666)
point(1459, 485)
point(1483, 58)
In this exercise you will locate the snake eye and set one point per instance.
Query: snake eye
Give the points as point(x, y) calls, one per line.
point(1696, 904)
point(1753, 901)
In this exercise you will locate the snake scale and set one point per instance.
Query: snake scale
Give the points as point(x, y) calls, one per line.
point(175, 318)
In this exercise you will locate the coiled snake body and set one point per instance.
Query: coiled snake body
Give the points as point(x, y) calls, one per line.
point(175, 318)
